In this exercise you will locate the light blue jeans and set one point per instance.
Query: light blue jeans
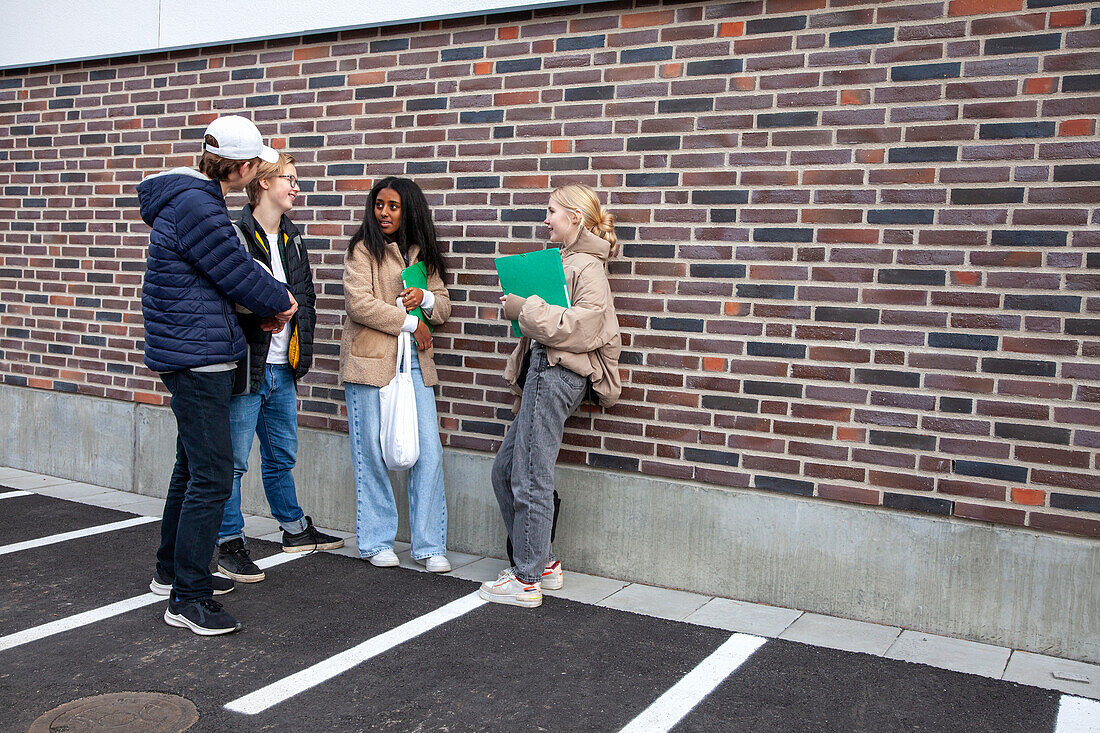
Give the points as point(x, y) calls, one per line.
point(272, 414)
point(376, 509)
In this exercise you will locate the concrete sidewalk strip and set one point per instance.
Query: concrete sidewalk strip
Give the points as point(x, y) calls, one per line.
point(1077, 715)
point(34, 481)
point(75, 534)
point(744, 617)
point(652, 601)
point(6, 472)
point(668, 709)
point(487, 568)
point(287, 687)
point(73, 490)
point(588, 589)
point(960, 655)
point(14, 494)
point(77, 620)
point(842, 633)
point(1064, 675)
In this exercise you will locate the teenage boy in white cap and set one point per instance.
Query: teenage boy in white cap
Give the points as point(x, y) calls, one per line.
point(195, 273)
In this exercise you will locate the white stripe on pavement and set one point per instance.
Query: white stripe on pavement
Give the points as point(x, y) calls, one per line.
point(667, 710)
point(287, 687)
point(114, 609)
point(1078, 715)
point(13, 494)
point(86, 532)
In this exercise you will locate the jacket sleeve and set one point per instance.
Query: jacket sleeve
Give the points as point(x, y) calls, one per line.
point(441, 311)
point(208, 241)
point(359, 299)
point(577, 329)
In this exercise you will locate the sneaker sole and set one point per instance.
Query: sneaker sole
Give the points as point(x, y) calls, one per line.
point(311, 548)
point(182, 622)
point(158, 589)
point(383, 563)
point(241, 578)
point(508, 600)
point(551, 585)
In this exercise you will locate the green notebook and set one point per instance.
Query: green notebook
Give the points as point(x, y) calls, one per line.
point(534, 273)
point(416, 276)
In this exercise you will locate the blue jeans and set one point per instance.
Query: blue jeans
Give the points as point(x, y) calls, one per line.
point(201, 479)
point(376, 509)
point(272, 414)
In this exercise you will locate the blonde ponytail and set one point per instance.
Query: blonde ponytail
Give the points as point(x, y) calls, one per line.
point(594, 217)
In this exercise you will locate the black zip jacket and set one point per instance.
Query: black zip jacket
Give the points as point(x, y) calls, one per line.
point(299, 280)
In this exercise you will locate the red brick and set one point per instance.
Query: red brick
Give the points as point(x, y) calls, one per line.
point(1030, 497)
point(640, 20)
point(1039, 85)
point(987, 513)
point(978, 7)
point(1067, 18)
point(1072, 128)
point(735, 28)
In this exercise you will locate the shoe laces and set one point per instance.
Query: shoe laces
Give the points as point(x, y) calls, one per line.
point(210, 605)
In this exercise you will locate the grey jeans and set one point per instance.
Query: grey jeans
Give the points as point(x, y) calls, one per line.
point(523, 470)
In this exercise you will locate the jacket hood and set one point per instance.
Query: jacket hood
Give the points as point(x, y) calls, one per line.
point(589, 244)
point(157, 190)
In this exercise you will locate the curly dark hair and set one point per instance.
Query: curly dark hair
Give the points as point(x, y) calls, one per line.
point(416, 225)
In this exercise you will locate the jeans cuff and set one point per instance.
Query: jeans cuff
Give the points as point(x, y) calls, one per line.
point(230, 538)
point(296, 527)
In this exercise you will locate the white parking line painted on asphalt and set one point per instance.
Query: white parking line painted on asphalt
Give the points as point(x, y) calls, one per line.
point(1078, 715)
point(76, 534)
point(114, 609)
point(668, 709)
point(287, 687)
point(13, 494)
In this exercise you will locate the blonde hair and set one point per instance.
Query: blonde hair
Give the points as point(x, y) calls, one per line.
point(594, 217)
point(266, 172)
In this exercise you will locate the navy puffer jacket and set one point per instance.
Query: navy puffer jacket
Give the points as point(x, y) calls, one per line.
point(195, 272)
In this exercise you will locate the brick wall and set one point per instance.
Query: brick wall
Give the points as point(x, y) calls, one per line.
point(860, 258)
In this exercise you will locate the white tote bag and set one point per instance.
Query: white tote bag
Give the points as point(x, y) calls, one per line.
point(399, 436)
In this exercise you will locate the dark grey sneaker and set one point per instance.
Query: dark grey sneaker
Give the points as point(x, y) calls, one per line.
point(206, 617)
point(162, 585)
point(310, 540)
point(233, 560)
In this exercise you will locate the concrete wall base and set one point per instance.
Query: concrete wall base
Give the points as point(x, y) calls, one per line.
point(1002, 585)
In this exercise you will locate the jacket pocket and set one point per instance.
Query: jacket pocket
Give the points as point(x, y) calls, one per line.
point(368, 343)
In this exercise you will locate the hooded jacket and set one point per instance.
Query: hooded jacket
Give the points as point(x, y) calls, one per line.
point(196, 270)
point(583, 338)
point(299, 278)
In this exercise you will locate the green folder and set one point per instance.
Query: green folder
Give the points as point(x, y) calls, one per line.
point(416, 276)
point(534, 273)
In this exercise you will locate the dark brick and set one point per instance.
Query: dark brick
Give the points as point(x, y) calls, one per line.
point(615, 463)
point(467, 182)
point(923, 72)
point(1083, 326)
point(775, 25)
point(1037, 433)
point(685, 104)
point(912, 441)
point(959, 405)
point(196, 65)
point(651, 179)
point(887, 377)
point(1081, 83)
point(389, 44)
point(714, 67)
point(1089, 172)
point(67, 91)
point(580, 94)
point(971, 196)
point(1027, 238)
point(425, 166)
point(307, 141)
point(716, 457)
point(783, 485)
point(1023, 44)
point(253, 73)
point(926, 504)
point(776, 292)
point(1027, 367)
point(862, 37)
point(989, 470)
point(976, 342)
point(262, 100)
point(566, 163)
point(504, 132)
point(694, 325)
point(534, 215)
point(727, 403)
point(837, 314)
point(462, 54)
point(900, 216)
point(475, 117)
point(786, 119)
point(345, 169)
point(317, 199)
point(936, 154)
point(1058, 303)
point(785, 351)
point(1075, 502)
point(770, 234)
point(324, 82)
point(149, 109)
point(121, 150)
point(721, 196)
point(773, 389)
point(483, 427)
point(912, 277)
point(640, 55)
point(510, 66)
point(417, 105)
point(379, 92)
point(667, 142)
point(578, 43)
point(721, 270)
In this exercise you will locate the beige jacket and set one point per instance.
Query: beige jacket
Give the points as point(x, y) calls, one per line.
point(583, 338)
point(368, 349)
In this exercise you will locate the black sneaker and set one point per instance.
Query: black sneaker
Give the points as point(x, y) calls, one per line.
point(206, 617)
point(310, 540)
point(162, 586)
point(233, 560)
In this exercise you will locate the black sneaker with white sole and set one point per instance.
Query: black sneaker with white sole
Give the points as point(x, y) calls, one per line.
point(162, 585)
point(310, 540)
point(206, 617)
point(233, 560)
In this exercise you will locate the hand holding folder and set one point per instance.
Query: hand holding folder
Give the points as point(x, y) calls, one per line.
point(538, 273)
point(416, 276)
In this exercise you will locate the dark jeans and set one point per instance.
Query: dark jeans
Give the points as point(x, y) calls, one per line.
point(201, 480)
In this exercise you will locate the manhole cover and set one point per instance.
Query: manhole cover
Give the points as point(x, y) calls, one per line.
point(120, 712)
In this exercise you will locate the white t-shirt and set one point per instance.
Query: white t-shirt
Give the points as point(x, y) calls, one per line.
point(280, 340)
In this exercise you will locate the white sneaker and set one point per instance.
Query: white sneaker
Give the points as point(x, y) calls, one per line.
point(511, 590)
point(552, 576)
point(384, 559)
point(435, 563)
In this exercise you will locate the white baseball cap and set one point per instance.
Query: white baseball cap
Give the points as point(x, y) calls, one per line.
point(238, 139)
